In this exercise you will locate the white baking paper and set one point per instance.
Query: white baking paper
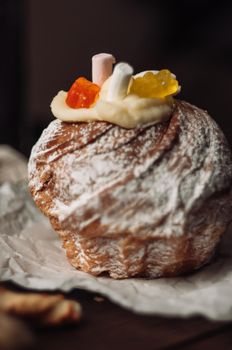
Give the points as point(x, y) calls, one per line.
point(31, 255)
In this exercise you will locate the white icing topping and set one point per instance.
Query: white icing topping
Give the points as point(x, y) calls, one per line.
point(129, 112)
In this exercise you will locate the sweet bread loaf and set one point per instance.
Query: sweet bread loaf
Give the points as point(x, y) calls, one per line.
point(151, 201)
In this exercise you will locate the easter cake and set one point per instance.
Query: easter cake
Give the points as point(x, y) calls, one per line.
point(134, 181)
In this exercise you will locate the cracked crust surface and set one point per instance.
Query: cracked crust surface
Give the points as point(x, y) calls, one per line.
point(151, 201)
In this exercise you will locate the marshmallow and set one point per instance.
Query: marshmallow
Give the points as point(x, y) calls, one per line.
point(102, 67)
point(119, 82)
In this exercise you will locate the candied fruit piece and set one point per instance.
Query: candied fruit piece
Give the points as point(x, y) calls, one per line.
point(155, 85)
point(82, 94)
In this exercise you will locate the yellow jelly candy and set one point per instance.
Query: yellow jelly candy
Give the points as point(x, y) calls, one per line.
point(155, 85)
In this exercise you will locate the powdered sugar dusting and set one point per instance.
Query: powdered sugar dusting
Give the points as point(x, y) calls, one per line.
point(148, 175)
point(142, 201)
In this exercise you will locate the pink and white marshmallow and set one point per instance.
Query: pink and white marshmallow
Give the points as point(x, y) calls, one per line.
point(102, 67)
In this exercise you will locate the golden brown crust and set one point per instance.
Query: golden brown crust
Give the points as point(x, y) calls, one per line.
point(151, 201)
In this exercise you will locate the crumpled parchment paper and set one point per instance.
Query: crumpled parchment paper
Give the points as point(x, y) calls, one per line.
point(31, 255)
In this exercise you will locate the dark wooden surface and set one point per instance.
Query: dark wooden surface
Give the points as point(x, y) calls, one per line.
point(107, 326)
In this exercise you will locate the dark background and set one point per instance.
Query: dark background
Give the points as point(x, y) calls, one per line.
point(45, 45)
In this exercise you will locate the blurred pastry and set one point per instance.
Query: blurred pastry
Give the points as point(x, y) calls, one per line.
point(42, 308)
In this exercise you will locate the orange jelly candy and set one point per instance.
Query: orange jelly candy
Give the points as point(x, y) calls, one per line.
point(82, 94)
